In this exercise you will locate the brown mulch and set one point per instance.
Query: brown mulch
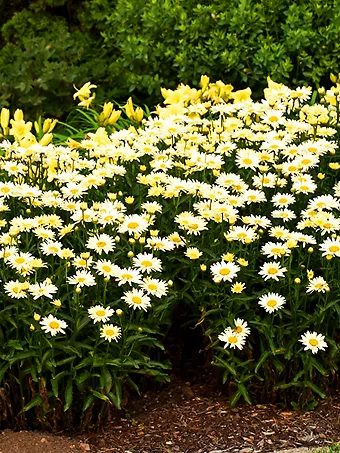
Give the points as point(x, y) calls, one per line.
point(193, 417)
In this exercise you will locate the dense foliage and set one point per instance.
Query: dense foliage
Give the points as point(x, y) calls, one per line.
point(135, 46)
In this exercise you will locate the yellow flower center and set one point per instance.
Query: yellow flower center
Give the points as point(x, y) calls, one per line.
point(100, 312)
point(81, 279)
point(54, 325)
point(272, 303)
point(247, 161)
point(232, 339)
point(152, 286)
point(53, 249)
point(106, 268)
point(127, 276)
point(109, 332)
point(133, 225)
point(272, 270)
point(273, 118)
point(334, 248)
point(101, 244)
point(238, 329)
point(20, 260)
point(194, 226)
point(224, 271)
point(313, 342)
point(276, 250)
point(136, 300)
point(146, 263)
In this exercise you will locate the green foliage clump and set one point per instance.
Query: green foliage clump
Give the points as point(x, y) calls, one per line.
point(138, 46)
point(164, 43)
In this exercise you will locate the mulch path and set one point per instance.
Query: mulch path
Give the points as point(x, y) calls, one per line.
point(192, 416)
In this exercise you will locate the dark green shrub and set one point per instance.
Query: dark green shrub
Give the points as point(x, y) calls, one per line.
point(241, 42)
point(136, 46)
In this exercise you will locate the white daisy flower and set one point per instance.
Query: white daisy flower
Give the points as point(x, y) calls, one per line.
point(224, 271)
point(313, 342)
point(330, 247)
point(232, 339)
point(99, 313)
point(146, 262)
point(155, 287)
point(110, 332)
point(45, 288)
point(317, 284)
point(82, 278)
point(101, 243)
point(137, 299)
point(52, 325)
point(271, 302)
point(241, 327)
point(272, 270)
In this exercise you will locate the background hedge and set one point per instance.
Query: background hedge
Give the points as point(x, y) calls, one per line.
point(136, 46)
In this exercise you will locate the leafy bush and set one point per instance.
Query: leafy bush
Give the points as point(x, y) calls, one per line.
point(135, 47)
point(224, 204)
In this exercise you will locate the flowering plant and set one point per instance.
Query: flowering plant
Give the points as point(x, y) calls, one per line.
point(214, 201)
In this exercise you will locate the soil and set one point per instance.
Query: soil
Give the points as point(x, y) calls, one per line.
point(192, 416)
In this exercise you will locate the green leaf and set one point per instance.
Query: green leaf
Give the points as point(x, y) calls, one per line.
point(315, 389)
point(133, 384)
point(261, 360)
point(226, 365)
point(318, 366)
point(67, 360)
point(85, 362)
point(235, 397)
point(16, 344)
point(83, 377)
point(89, 400)
point(22, 356)
point(55, 382)
point(107, 379)
point(81, 324)
point(34, 402)
point(244, 393)
point(68, 394)
point(3, 371)
point(100, 395)
point(119, 392)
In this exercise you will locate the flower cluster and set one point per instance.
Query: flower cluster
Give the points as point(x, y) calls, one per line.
point(225, 203)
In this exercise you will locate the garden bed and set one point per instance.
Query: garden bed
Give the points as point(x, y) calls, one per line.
point(192, 415)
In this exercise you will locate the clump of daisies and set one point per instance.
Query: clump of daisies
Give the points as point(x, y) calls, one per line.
point(235, 337)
